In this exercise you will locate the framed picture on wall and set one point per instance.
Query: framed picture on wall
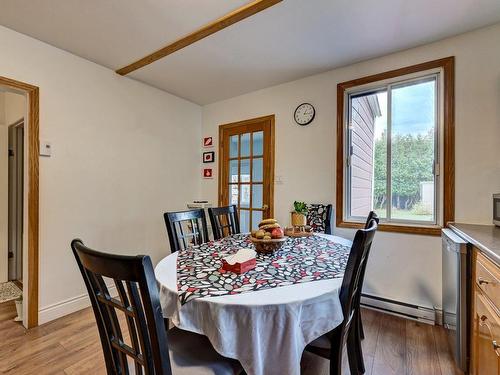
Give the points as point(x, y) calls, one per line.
point(208, 142)
point(208, 157)
point(208, 173)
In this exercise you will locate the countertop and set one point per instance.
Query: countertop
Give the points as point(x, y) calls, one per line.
point(485, 237)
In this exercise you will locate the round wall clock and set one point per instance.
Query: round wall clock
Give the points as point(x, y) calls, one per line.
point(304, 114)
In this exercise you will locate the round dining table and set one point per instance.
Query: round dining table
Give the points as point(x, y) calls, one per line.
point(265, 330)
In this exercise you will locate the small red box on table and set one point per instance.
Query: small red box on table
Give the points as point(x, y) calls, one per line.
point(239, 267)
point(243, 261)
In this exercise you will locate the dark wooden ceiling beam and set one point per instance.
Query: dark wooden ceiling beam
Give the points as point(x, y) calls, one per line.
point(229, 19)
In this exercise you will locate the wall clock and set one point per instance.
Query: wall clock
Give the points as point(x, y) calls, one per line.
point(304, 114)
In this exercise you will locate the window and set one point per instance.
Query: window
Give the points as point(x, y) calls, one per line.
point(395, 148)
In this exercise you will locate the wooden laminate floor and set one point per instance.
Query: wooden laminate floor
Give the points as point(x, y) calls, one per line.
point(71, 345)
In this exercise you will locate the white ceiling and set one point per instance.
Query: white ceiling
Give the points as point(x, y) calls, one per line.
point(290, 40)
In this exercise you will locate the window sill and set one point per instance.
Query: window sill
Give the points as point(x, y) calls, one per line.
point(429, 230)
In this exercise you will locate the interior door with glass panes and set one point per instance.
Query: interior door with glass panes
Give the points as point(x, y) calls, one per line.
point(246, 168)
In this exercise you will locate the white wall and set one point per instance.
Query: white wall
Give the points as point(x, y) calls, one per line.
point(15, 107)
point(401, 267)
point(12, 109)
point(122, 154)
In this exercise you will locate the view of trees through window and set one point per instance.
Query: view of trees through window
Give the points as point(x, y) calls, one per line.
point(392, 153)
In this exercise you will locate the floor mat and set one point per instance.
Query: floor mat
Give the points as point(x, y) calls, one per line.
point(9, 291)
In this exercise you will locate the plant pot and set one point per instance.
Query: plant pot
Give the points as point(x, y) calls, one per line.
point(19, 310)
point(298, 220)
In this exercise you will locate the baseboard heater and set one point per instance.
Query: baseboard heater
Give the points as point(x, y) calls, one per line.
point(405, 310)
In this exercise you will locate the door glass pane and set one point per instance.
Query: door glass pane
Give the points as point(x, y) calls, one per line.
point(233, 146)
point(256, 219)
point(245, 170)
point(245, 144)
point(257, 194)
point(244, 221)
point(412, 150)
point(245, 195)
point(257, 168)
point(233, 194)
point(258, 143)
point(233, 171)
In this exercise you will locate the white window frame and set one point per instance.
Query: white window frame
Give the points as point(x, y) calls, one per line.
point(387, 85)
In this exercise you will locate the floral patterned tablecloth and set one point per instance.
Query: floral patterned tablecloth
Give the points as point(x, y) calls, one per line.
point(300, 260)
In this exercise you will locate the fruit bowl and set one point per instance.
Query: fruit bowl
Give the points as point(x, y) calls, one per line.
point(267, 246)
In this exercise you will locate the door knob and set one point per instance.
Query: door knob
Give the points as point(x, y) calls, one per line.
point(265, 207)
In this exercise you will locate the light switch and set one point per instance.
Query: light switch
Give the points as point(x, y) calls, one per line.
point(45, 149)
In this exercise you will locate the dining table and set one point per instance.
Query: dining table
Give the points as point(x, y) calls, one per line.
point(263, 318)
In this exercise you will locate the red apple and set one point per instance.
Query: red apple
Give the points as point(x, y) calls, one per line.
point(277, 233)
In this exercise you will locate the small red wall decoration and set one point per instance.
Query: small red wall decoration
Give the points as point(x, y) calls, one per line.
point(208, 157)
point(207, 173)
point(208, 142)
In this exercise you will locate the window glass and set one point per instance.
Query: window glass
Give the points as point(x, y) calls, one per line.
point(258, 169)
point(245, 170)
point(256, 219)
point(233, 170)
point(258, 143)
point(233, 146)
point(244, 221)
point(245, 145)
point(257, 194)
point(391, 152)
point(412, 151)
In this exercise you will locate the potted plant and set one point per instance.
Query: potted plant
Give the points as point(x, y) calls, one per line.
point(299, 214)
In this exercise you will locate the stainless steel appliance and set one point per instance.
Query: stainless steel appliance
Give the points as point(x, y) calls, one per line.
point(456, 273)
point(496, 209)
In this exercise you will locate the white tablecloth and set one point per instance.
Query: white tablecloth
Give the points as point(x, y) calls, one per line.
point(266, 330)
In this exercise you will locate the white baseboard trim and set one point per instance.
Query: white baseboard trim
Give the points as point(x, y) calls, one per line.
point(405, 310)
point(68, 306)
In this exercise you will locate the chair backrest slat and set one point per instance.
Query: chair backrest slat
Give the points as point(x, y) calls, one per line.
point(224, 221)
point(196, 228)
point(138, 300)
point(110, 318)
point(141, 327)
point(129, 316)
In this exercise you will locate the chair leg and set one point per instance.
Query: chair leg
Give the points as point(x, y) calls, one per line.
point(360, 325)
point(336, 353)
point(355, 351)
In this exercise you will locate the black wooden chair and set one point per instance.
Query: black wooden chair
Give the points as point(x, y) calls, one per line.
point(330, 346)
point(186, 228)
point(150, 348)
point(319, 217)
point(224, 221)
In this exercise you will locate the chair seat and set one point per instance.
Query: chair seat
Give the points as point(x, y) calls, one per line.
point(322, 342)
point(311, 364)
point(193, 354)
point(321, 346)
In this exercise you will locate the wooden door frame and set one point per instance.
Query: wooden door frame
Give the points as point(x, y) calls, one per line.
point(32, 126)
point(271, 119)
